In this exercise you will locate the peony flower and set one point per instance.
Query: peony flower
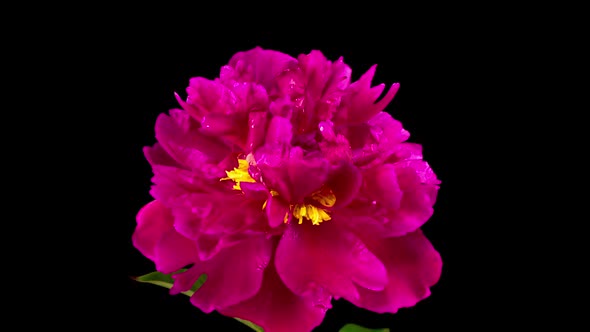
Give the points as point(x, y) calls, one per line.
point(289, 186)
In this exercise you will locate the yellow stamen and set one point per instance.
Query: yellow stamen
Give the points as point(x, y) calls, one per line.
point(311, 212)
point(272, 193)
point(325, 197)
point(239, 174)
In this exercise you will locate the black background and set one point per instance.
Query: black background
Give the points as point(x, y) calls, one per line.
point(130, 69)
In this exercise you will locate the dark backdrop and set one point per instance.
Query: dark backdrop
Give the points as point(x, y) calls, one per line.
point(436, 61)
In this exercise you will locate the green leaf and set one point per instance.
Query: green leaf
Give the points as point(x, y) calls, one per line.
point(165, 280)
point(358, 328)
point(250, 325)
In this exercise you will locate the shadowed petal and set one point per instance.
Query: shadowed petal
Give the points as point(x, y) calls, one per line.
point(276, 309)
point(178, 135)
point(276, 209)
point(344, 181)
point(359, 102)
point(233, 275)
point(294, 178)
point(413, 266)
point(174, 252)
point(327, 256)
point(257, 65)
point(153, 220)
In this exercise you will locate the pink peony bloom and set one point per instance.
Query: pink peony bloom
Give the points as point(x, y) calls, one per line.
point(288, 186)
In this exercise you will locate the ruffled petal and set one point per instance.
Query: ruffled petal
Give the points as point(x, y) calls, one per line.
point(294, 178)
point(276, 309)
point(276, 210)
point(413, 266)
point(179, 136)
point(325, 82)
point(206, 96)
point(156, 155)
point(345, 181)
point(233, 275)
point(381, 186)
point(359, 102)
point(257, 65)
point(173, 252)
point(395, 199)
point(257, 124)
point(327, 257)
point(153, 220)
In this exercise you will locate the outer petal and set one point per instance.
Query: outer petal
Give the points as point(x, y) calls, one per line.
point(413, 266)
point(276, 309)
point(344, 181)
point(396, 199)
point(382, 187)
point(153, 221)
point(325, 82)
point(156, 155)
point(359, 102)
point(180, 137)
point(257, 65)
point(174, 252)
point(295, 178)
point(206, 96)
point(233, 275)
point(311, 258)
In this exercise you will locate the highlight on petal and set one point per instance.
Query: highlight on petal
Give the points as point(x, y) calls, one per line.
point(295, 178)
point(329, 257)
point(276, 308)
point(413, 266)
point(257, 65)
point(246, 260)
point(325, 83)
point(180, 137)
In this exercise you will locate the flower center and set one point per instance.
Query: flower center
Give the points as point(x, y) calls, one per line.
point(239, 174)
point(312, 212)
point(316, 212)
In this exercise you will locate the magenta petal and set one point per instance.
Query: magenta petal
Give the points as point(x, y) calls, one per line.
point(345, 181)
point(276, 209)
point(276, 309)
point(257, 123)
point(413, 266)
point(174, 252)
point(183, 281)
point(381, 186)
point(179, 137)
point(254, 191)
point(156, 155)
point(359, 102)
point(257, 65)
point(250, 97)
point(311, 258)
point(224, 124)
point(209, 245)
point(233, 275)
point(153, 220)
point(206, 96)
point(295, 178)
point(279, 133)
